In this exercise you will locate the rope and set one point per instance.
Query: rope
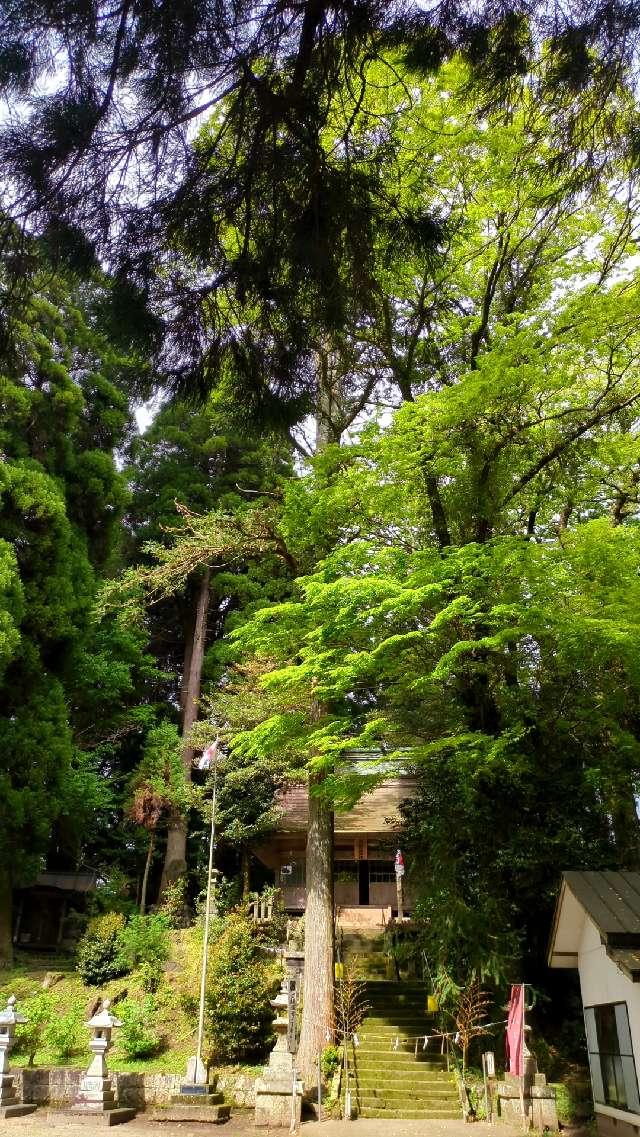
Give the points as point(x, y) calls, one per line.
point(454, 1034)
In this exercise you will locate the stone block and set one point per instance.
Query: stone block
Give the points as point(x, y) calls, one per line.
point(193, 1111)
point(107, 1118)
point(18, 1109)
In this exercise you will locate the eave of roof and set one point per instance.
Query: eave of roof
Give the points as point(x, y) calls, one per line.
point(611, 900)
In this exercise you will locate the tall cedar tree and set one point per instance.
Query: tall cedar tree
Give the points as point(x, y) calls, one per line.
point(66, 682)
point(194, 459)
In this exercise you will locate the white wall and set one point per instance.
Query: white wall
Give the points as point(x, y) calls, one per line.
point(601, 981)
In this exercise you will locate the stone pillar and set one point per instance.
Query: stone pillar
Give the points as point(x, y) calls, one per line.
point(279, 1084)
point(95, 1096)
point(530, 1094)
point(10, 1106)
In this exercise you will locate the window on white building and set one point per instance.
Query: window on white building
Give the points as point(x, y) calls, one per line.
point(613, 1069)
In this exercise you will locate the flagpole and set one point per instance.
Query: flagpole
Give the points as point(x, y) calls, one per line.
point(207, 919)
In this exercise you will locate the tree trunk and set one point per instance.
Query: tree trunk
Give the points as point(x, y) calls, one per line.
point(244, 871)
point(175, 860)
point(317, 1016)
point(145, 877)
point(626, 827)
point(327, 403)
point(6, 916)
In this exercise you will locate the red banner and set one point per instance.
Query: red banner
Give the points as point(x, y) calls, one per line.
point(515, 1030)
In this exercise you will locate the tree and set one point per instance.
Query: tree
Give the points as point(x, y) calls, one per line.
point(60, 497)
point(196, 460)
point(303, 216)
point(156, 788)
point(401, 541)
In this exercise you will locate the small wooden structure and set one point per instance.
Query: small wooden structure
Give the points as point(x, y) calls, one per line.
point(42, 911)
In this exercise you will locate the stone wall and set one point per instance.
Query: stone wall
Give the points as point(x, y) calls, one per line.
point(58, 1086)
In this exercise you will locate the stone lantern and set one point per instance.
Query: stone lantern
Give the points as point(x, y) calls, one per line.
point(278, 1090)
point(95, 1092)
point(9, 1104)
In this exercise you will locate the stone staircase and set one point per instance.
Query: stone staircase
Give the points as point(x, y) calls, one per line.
point(398, 1083)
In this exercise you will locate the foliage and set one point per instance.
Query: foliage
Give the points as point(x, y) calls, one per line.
point(158, 783)
point(574, 1100)
point(173, 907)
point(67, 680)
point(99, 955)
point(39, 1010)
point(63, 1034)
point(137, 1037)
point(144, 944)
point(330, 1060)
point(240, 983)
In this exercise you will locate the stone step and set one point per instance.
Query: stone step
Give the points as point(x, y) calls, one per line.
point(375, 1072)
point(371, 1081)
point(390, 1092)
point(400, 1030)
point(381, 1055)
point(368, 1101)
point(400, 1079)
point(211, 1114)
point(400, 986)
point(406, 1043)
point(411, 1114)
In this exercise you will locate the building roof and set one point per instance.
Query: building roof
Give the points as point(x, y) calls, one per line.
point(67, 881)
point(611, 900)
point(378, 811)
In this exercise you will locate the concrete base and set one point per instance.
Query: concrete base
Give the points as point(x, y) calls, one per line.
point(274, 1104)
point(105, 1117)
point(18, 1109)
point(209, 1114)
point(538, 1099)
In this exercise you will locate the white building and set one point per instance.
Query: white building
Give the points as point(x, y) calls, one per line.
point(597, 929)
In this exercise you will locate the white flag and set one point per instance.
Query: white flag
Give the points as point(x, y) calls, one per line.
point(208, 756)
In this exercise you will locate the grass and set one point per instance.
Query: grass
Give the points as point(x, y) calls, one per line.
point(175, 1024)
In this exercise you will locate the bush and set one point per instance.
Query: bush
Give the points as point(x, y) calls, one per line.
point(39, 1010)
point(330, 1059)
point(144, 944)
point(240, 984)
point(63, 1034)
point(98, 956)
point(137, 1037)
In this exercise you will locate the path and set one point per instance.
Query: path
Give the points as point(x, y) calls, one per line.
point(241, 1125)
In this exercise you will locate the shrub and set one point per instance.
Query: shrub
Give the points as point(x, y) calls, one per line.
point(137, 1037)
point(98, 956)
point(39, 1009)
point(240, 984)
point(174, 905)
point(63, 1034)
point(145, 945)
point(330, 1059)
